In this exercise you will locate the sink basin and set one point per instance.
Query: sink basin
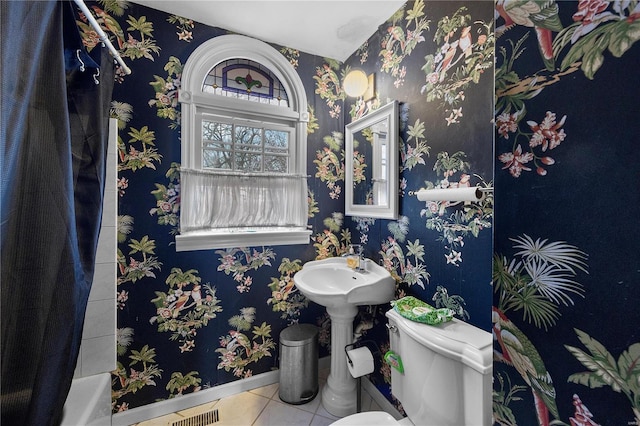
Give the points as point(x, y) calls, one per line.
point(340, 289)
point(331, 283)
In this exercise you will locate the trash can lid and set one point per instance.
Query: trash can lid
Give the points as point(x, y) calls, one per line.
point(298, 334)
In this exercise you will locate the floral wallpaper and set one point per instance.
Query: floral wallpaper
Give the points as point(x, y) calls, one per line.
point(565, 269)
point(192, 320)
point(532, 98)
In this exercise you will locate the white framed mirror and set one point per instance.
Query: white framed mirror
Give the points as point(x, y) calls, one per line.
point(371, 164)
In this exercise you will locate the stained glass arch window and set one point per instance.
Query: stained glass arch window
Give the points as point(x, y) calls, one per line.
point(245, 79)
point(244, 127)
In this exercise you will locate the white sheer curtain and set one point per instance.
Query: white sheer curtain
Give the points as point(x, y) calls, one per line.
point(219, 200)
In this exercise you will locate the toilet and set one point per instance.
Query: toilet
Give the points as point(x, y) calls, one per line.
point(447, 377)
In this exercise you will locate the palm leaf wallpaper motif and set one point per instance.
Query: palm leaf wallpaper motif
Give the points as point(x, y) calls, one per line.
point(552, 60)
point(599, 27)
point(239, 349)
point(140, 371)
point(328, 85)
point(186, 298)
point(285, 297)
point(538, 279)
point(187, 306)
point(166, 97)
point(504, 393)
point(408, 268)
point(621, 376)
point(535, 282)
point(168, 200)
point(180, 382)
point(410, 155)
point(403, 35)
point(518, 351)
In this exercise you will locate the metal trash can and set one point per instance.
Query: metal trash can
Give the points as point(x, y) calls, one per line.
point(298, 363)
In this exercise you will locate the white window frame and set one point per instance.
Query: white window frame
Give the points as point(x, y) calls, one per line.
point(195, 103)
point(239, 121)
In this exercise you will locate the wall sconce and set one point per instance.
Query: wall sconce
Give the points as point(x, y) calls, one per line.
point(357, 84)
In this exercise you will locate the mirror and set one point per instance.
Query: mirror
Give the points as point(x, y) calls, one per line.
point(371, 164)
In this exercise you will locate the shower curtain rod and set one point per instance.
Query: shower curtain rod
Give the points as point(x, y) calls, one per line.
point(103, 37)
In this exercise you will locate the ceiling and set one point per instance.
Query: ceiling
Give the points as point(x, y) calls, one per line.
point(328, 28)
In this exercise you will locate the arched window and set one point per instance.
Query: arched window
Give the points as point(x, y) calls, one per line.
point(244, 126)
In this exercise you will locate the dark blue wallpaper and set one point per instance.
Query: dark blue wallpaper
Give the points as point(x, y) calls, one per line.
point(566, 267)
point(554, 120)
point(437, 252)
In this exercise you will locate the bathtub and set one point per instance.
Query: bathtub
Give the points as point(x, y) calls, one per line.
point(89, 402)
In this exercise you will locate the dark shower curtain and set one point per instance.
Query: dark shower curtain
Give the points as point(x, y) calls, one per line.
point(54, 140)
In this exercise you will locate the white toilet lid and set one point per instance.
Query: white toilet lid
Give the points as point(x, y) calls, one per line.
point(368, 418)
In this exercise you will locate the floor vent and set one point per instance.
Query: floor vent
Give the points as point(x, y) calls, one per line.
point(202, 419)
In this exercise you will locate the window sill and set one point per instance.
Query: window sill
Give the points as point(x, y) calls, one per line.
point(231, 238)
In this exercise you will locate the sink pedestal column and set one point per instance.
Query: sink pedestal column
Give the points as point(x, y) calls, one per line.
point(339, 393)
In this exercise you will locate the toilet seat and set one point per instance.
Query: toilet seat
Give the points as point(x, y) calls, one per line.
point(368, 418)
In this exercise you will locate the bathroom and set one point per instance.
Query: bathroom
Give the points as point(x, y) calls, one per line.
point(552, 259)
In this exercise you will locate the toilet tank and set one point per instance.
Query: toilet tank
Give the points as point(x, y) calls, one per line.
point(448, 371)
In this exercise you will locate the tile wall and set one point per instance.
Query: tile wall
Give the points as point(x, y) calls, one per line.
point(98, 348)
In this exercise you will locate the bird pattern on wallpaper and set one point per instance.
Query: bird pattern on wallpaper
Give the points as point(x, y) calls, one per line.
point(184, 304)
point(465, 52)
point(402, 36)
point(542, 16)
point(533, 286)
point(518, 352)
point(599, 31)
point(537, 281)
point(238, 350)
point(442, 57)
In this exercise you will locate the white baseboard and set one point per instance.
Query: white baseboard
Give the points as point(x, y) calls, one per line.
point(168, 406)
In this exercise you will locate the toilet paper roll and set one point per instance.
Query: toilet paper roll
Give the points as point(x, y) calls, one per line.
point(361, 362)
point(451, 194)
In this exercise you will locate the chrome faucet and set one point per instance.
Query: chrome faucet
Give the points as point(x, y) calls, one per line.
point(359, 250)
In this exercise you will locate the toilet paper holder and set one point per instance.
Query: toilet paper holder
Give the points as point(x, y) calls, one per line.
point(376, 362)
point(356, 345)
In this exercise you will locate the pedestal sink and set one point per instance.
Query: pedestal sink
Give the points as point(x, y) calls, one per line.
point(340, 289)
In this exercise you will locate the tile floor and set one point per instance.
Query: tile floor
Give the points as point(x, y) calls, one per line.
point(263, 407)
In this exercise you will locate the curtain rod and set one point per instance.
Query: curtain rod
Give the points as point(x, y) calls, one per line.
point(103, 37)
